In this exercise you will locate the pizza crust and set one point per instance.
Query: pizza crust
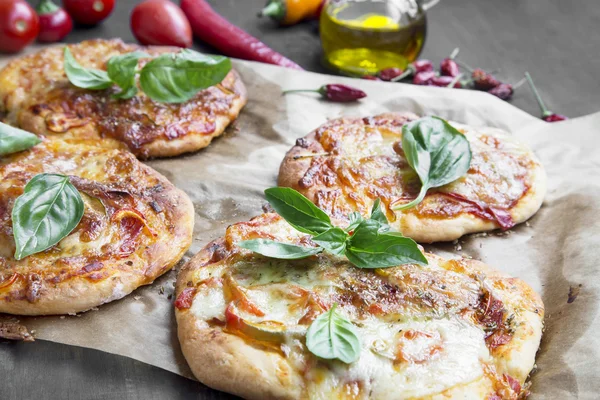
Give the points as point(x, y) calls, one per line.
point(225, 361)
point(41, 288)
point(422, 228)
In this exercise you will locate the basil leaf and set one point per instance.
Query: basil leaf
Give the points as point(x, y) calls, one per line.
point(371, 248)
point(438, 153)
point(13, 140)
point(377, 214)
point(176, 78)
point(298, 211)
point(47, 211)
point(331, 336)
point(355, 220)
point(85, 78)
point(273, 249)
point(332, 240)
point(121, 70)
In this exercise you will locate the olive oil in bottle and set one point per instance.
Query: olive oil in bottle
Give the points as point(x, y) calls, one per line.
point(362, 37)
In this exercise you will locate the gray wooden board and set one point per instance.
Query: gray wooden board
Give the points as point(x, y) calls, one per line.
point(557, 41)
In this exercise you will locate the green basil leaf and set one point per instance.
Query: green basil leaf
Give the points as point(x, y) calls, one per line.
point(176, 78)
point(85, 78)
point(331, 336)
point(355, 220)
point(438, 153)
point(371, 248)
point(333, 240)
point(298, 211)
point(47, 211)
point(121, 70)
point(13, 140)
point(273, 249)
point(377, 214)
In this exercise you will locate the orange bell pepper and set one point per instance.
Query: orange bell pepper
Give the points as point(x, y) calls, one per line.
point(290, 12)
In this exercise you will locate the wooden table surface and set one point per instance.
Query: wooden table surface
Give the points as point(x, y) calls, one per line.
point(557, 41)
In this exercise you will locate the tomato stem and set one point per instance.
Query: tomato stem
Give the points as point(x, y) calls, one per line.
point(46, 7)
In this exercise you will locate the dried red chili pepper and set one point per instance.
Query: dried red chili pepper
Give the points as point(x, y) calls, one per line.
point(547, 115)
point(449, 67)
point(414, 68)
point(445, 81)
point(370, 78)
point(335, 92)
point(389, 74)
point(503, 91)
point(424, 78)
point(484, 80)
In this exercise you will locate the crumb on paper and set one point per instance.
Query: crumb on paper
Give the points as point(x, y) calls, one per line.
point(94, 309)
point(573, 293)
point(62, 317)
point(12, 329)
point(137, 297)
point(161, 290)
point(527, 224)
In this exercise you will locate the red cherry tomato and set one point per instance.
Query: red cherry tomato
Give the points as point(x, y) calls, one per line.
point(19, 25)
point(161, 22)
point(55, 23)
point(89, 12)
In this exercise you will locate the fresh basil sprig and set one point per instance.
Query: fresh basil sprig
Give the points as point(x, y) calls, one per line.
point(47, 211)
point(169, 78)
point(367, 243)
point(331, 336)
point(438, 153)
point(13, 140)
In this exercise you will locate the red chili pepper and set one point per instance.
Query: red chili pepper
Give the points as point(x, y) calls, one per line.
point(547, 115)
point(389, 74)
point(449, 67)
point(335, 92)
point(484, 80)
point(370, 78)
point(424, 78)
point(232, 41)
point(414, 68)
point(503, 91)
point(445, 81)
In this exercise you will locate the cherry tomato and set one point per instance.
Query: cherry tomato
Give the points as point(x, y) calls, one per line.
point(89, 12)
point(161, 22)
point(19, 25)
point(55, 23)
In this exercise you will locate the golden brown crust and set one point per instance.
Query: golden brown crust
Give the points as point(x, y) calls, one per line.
point(358, 160)
point(36, 96)
point(224, 355)
point(136, 226)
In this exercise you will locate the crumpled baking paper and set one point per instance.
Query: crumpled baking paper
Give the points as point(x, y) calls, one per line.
point(556, 252)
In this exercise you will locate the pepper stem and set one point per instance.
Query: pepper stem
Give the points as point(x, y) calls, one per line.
point(301, 91)
point(275, 10)
point(518, 84)
point(454, 53)
point(456, 79)
point(46, 7)
point(465, 66)
point(545, 111)
point(409, 71)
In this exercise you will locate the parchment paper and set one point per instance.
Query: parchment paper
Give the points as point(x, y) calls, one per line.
point(557, 252)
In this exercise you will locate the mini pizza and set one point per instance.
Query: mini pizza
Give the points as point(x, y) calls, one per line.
point(136, 226)
point(36, 95)
point(452, 329)
point(347, 163)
